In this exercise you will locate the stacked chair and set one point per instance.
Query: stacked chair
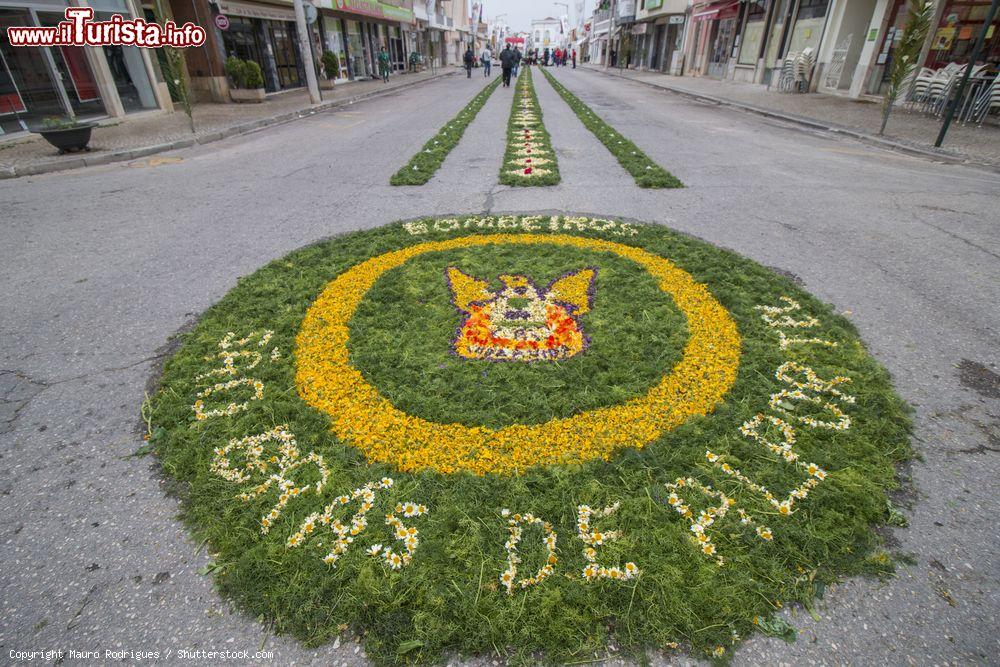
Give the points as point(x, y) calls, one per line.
point(931, 90)
point(986, 102)
point(804, 65)
point(796, 71)
point(786, 81)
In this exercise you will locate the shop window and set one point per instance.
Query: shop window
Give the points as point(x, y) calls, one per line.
point(333, 29)
point(957, 32)
point(753, 33)
point(28, 90)
point(808, 25)
point(74, 73)
point(358, 49)
point(782, 10)
point(128, 69)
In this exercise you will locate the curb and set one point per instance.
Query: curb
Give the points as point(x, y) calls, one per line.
point(898, 146)
point(225, 133)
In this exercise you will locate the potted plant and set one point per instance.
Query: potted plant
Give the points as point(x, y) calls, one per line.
point(247, 80)
point(66, 133)
point(331, 68)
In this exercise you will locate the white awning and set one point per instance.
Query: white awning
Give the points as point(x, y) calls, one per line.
point(255, 11)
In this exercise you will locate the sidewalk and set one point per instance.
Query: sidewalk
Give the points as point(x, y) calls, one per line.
point(148, 133)
point(860, 118)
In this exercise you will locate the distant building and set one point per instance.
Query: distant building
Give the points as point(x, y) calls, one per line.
point(547, 33)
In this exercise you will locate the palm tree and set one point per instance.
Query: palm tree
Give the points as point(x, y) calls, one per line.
point(906, 53)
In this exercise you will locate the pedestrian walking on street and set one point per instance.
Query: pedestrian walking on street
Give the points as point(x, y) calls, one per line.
point(574, 58)
point(507, 59)
point(383, 64)
point(517, 61)
point(487, 58)
point(469, 59)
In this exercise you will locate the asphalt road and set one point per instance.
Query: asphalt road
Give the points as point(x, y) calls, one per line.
point(101, 266)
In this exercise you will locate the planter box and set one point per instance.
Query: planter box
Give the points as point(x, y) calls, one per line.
point(70, 139)
point(247, 95)
point(326, 84)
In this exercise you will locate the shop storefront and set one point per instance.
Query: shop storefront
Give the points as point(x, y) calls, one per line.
point(848, 50)
point(772, 29)
point(357, 29)
point(712, 38)
point(658, 33)
point(86, 82)
point(266, 35)
point(950, 41)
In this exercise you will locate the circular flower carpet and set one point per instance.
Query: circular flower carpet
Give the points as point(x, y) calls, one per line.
point(533, 436)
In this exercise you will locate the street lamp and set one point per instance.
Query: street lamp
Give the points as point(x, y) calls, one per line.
point(567, 15)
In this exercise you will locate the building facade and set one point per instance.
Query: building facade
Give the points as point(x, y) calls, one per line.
point(266, 33)
point(600, 29)
point(658, 33)
point(852, 40)
point(74, 81)
point(548, 34)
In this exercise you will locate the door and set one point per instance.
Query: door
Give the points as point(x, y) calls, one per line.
point(722, 40)
point(282, 36)
point(656, 62)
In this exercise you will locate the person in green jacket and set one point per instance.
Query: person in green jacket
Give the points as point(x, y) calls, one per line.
point(383, 64)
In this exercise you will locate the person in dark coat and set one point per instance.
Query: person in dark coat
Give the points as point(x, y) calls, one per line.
point(517, 60)
point(507, 59)
point(469, 59)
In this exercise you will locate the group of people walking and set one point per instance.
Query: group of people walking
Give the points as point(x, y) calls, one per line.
point(554, 57)
point(510, 62)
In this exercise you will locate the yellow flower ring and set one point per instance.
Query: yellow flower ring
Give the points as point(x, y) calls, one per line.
point(362, 417)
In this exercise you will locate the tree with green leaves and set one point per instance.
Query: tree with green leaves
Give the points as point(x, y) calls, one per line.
point(906, 53)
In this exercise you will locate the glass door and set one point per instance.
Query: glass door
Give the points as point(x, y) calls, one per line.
point(282, 36)
point(357, 44)
point(718, 61)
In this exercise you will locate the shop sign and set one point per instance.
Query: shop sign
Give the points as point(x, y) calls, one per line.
point(222, 22)
point(639, 29)
point(676, 19)
point(374, 8)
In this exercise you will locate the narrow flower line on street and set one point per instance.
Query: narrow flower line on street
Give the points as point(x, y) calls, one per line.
point(647, 174)
point(529, 159)
point(428, 160)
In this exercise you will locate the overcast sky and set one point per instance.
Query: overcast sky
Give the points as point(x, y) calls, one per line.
point(521, 12)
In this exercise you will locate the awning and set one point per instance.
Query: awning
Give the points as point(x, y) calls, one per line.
point(256, 11)
point(713, 10)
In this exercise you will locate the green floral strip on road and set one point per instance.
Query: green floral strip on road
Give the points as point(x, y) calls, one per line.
point(425, 163)
point(529, 159)
point(647, 174)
